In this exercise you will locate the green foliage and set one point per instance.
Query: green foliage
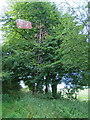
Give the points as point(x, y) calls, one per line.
point(21, 48)
point(62, 50)
point(29, 106)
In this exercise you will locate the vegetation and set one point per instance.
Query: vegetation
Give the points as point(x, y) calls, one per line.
point(54, 50)
point(54, 47)
point(41, 106)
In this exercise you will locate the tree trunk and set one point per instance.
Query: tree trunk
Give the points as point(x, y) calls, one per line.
point(54, 91)
point(33, 88)
point(46, 89)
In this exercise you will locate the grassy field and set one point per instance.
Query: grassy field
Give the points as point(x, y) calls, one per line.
point(40, 106)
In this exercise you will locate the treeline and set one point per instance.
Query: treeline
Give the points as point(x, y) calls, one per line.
point(54, 47)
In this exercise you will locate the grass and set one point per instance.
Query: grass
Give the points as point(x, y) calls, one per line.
point(39, 106)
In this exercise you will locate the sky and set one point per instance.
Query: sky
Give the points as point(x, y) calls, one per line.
point(3, 5)
point(3, 8)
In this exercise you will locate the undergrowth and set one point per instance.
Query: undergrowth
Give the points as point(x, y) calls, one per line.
point(41, 106)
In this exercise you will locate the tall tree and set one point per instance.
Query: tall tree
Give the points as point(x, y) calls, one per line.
point(45, 53)
point(26, 43)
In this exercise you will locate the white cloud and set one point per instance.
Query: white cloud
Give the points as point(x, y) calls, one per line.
point(3, 6)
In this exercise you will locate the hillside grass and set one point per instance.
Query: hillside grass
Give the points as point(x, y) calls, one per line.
point(26, 105)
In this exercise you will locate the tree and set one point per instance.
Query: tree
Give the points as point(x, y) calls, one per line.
point(16, 62)
point(74, 49)
point(80, 10)
point(23, 43)
point(41, 55)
